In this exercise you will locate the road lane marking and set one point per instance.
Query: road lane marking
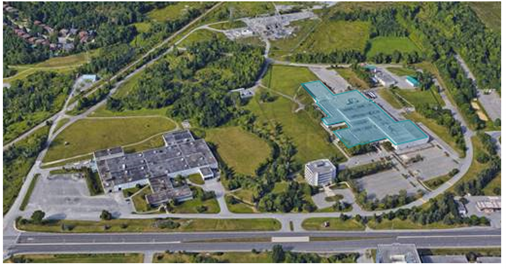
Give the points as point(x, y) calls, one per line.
point(101, 243)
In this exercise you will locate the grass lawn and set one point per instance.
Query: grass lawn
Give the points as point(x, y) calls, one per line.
point(229, 25)
point(103, 112)
point(434, 183)
point(57, 64)
point(387, 45)
point(242, 150)
point(349, 75)
point(196, 179)
point(201, 35)
point(248, 9)
point(284, 46)
point(226, 257)
point(493, 252)
point(495, 183)
point(418, 98)
point(14, 130)
point(15, 173)
point(388, 96)
point(106, 133)
point(337, 35)
point(316, 224)
point(60, 123)
point(142, 27)
point(139, 200)
point(129, 192)
point(154, 142)
point(79, 258)
point(190, 206)
point(308, 136)
point(150, 225)
point(489, 13)
point(244, 194)
point(397, 224)
point(28, 194)
point(128, 85)
point(240, 207)
point(288, 80)
point(439, 130)
point(72, 160)
point(401, 71)
point(172, 11)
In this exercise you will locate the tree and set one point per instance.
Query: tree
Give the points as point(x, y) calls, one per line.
point(106, 215)
point(278, 254)
point(38, 216)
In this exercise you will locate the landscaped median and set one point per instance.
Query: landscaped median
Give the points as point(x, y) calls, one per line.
point(150, 225)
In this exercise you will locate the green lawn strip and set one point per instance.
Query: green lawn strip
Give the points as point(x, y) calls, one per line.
point(241, 150)
point(239, 206)
point(337, 35)
point(190, 206)
point(244, 194)
point(284, 46)
point(397, 224)
point(61, 123)
point(128, 85)
point(309, 137)
point(201, 35)
point(434, 183)
point(439, 130)
point(494, 186)
point(349, 75)
point(402, 71)
point(334, 224)
point(151, 225)
point(229, 25)
point(28, 194)
point(418, 98)
point(103, 112)
point(131, 191)
point(153, 142)
point(196, 179)
point(387, 45)
point(488, 252)
point(388, 96)
point(78, 258)
point(93, 182)
point(140, 202)
point(222, 257)
point(88, 135)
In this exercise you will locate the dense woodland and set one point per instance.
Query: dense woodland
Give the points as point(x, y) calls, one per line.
point(18, 51)
point(196, 83)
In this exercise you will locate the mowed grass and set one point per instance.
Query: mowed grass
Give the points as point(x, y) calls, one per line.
point(171, 12)
point(489, 13)
point(349, 75)
point(242, 150)
point(284, 46)
point(419, 98)
point(388, 45)
point(151, 225)
point(88, 135)
point(103, 112)
point(397, 224)
point(489, 190)
point(201, 35)
point(309, 137)
point(337, 35)
point(79, 258)
point(335, 224)
point(57, 64)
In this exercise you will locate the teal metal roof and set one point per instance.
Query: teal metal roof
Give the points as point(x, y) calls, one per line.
point(366, 121)
point(413, 80)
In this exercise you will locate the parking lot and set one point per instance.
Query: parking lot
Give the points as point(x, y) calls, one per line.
point(67, 196)
point(491, 103)
point(330, 77)
point(495, 217)
point(385, 183)
point(435, 163)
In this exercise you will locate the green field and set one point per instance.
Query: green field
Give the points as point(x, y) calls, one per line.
point(28, 194)
point(337, 35)
point(247, 9)
point(88, 135)
point(388, 45)
point(309, 137)
point(401, 71)
point(495, 183)
point(139, 200)
point(142, 27)
point(242, 150)
point(201, 35)
point(335, 224)
point(240, 207)
point(489, 13)
point(150, 225)
point(228, 25)
point(349, 75)
point(57, 64)
point(103, 112)
point(397, 224)
point(419, 98)
point(287, 45)
point(78, 258)
point(196, 179)
point(171, 12)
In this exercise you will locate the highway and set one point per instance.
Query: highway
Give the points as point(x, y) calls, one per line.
point(338, 241)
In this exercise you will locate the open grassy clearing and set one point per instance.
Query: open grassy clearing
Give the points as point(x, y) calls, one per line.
point(244, 194)
point(288, 80)
point(139, 200)
point(128, 85)
point(151, 225)
point(226, 257)
point(239, 207)
point(190, 206)
point(247, 9)
point(489, 190)
point(387, 45)
point(142, 27)
point(28, 194)
point(337, 35)
point(418, 98)
point(201, 35)
point(78, 258)
point(196, 179)
point(14, 130)
point(242, 150)
point(131, 191)
point(439, 130)
point(57, 64)
point(153, 142)
point(388, 96)
point(401, 71)
point(334, 224)
point(103, 112)
point(88, 135)
point(309, 137)
point(397, 224)
point(490, 252)
point(349, 75)
point(285, 46)
point(229, 25)
point(489, 13)
point(172, 11)
point(71, 160)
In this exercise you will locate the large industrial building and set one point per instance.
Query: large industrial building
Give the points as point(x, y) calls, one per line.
point(397, 253)
point(182, 155)
point(361, 121)
point(320, 172)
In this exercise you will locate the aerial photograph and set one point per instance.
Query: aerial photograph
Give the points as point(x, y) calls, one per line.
point(251, 132)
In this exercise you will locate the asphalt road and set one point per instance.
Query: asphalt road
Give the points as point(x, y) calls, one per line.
point(343, 241)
